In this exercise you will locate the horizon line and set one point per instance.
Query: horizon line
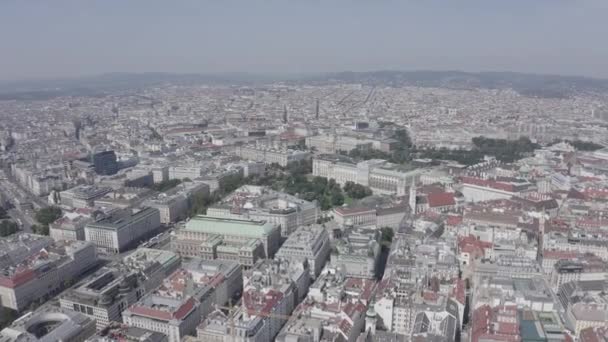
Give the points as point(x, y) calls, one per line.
point(288, 73)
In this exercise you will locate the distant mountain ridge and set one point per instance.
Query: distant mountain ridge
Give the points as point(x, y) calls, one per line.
point(546, 86)
point(103, 84)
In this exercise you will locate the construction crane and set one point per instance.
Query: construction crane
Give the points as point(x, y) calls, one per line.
point(231, 313)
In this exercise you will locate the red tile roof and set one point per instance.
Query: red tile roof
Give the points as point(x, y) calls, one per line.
point(258, 303)
point(470, 244)
point(594, 334)
point(441, 199)
point(459, 291)
point(594, 193)
point(453, 220)
point(365, 287)
point(152, 313)
point(431, 189)
point(483, 324)
point(185, 309)
point(430, 296)
point(488, 183)
point(180, 313)
point(549, 254)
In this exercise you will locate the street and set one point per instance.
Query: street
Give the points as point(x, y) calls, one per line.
point(23, 216)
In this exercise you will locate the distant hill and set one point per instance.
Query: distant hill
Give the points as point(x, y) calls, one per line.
point(547, 86)
point(111, 83)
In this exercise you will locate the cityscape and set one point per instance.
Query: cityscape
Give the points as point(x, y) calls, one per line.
point(359, 206)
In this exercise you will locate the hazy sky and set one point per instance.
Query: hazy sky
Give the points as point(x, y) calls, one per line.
point(55, 38)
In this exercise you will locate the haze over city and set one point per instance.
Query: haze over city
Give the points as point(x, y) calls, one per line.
point(74, 38)
point(304, 171)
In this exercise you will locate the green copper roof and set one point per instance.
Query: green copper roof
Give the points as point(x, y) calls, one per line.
point(228, 226)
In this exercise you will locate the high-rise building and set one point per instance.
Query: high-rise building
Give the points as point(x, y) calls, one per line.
point(285, 117)
point(105, 163)
point(123, 230)
point(310, 244)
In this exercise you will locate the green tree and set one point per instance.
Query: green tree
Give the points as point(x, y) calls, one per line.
point(400, 155)
point(402, 152)
point(356, 191)
point(230, 183)
point(40, 229)
point(325, 203)
point(504, 150)
point(331, 184)
point(309, 196)
point(319, 184)
point(386, 235)
point(199, 203)
point(337, 199)
point(348, 186)
point(301, 167)
point(585, 145)
point(403, 137)
point(7, 316)
point(48, 215)
point(8, 227)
